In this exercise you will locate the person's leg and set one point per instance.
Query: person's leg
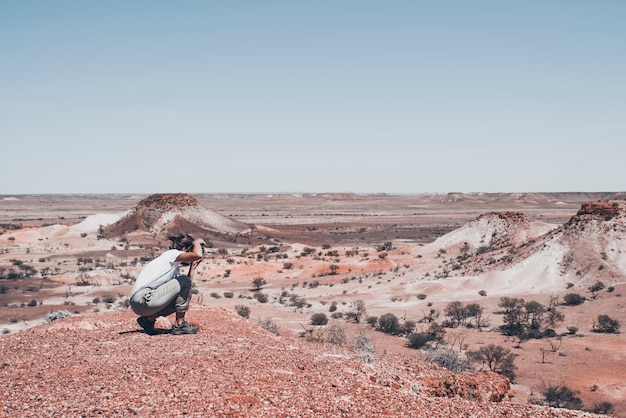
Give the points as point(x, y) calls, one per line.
point(162, 301)
point(181, 288)
point(171, 297)
point(180, 306)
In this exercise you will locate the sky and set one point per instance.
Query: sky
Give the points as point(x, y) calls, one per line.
point(312, 96)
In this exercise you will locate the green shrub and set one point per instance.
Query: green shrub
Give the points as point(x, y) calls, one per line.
point(258, 283)
point(261, 297)
point(606, 324)
point(269, 325)
point(418, 340)
point(53, 316)
point(108, 299)
point(243, 311)
point(447, 358)
point(573, 299)
point(319, 319)
point(336, 335)
point(604, 408)
point(497, 358)
point(389, 324)
point(561, 397)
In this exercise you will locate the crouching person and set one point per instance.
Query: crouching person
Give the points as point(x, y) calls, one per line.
point(161, 290)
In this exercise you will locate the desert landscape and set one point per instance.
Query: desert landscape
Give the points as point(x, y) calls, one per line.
point(390, 299)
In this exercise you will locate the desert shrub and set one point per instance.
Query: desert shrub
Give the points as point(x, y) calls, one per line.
point(456, 314)
point(595, 288)
point(364, 343)
point(422, 296)
point(229, 295)
point(561, 397)
point(604, 408)
point(447, 358)
point(108, 299)
point(336, 335)
point(357, 313)
point(4, 289)
point(261, 297)
point(319, 319)
point(269, 325)
point(298, 302)
point(525, 320)
point(573, 299)
point(436, 332)
point(389, 324)
point(418, 340)
point(372, 320)
point(95, 300)
point(482, 293)
point(258, 283)
point(243, 311)
point(332, 307)
point(407, 327)
point(53, 316)
point(287, 266)
point(606, 324)
point(572, 330)
point(215, 295)
point(32, 303)
point(497, 358)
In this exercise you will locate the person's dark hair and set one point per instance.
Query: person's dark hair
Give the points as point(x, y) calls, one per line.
point(182, 242)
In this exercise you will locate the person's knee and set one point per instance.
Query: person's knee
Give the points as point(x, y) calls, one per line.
point(184, 281)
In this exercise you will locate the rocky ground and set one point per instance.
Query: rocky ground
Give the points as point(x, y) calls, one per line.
point(102, 365)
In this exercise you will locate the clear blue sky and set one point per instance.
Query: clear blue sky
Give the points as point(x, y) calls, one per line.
point(312, 96)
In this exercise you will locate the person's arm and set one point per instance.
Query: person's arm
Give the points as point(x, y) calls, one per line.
point(192, 268)
point(194, 255)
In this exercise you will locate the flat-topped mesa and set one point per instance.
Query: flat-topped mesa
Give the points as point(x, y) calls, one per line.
point(173, 213)
point(168, 202)
point(511, 217)
point(602, 210)
point(152, 208)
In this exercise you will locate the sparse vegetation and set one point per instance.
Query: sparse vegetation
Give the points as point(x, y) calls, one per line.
point(261, 297)
point(561, 396)
point(258, 283)
point(319, 319)
point(243, 311)
point(573, 299)
point(53, 316)
point(496, 358)
point(525, 320)
point(595, 288)
point(606, 324)
point(269, 325)
point(448, 358)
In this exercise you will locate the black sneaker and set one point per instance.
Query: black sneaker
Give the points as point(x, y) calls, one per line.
point(146, 324)
point(184, 328)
